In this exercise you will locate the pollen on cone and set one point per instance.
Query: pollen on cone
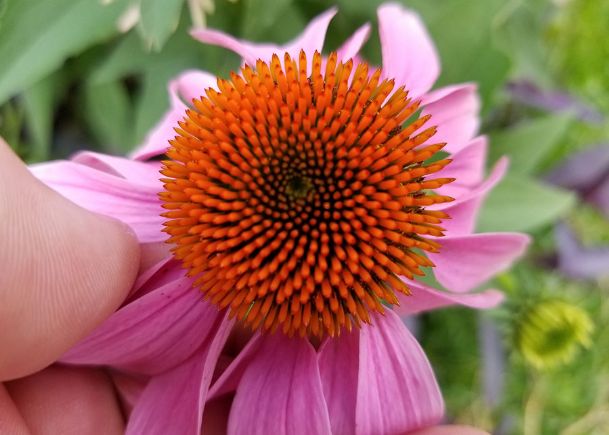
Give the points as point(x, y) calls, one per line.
point(296, 194)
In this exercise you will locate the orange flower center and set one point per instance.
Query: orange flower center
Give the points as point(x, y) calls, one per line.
point(297, 196)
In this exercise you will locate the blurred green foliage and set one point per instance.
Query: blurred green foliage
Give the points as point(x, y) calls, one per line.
point(88, 74)
point(580, 52)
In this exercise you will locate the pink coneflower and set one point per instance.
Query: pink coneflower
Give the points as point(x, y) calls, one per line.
point(303, 196)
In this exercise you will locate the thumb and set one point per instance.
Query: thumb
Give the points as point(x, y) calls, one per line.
point(63, 270)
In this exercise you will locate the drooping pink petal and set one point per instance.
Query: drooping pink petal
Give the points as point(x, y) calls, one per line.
point(465, 262)
point(173, 401)
point(152, 333)
point(464, 210)
point(280, 391)
point(397, 391)
point(467, 168)
point(455, 111)
point(424, 298)
point(409, 55)
point(139, 172)
point(135, 204)
point(310, 40)
point(231, 376)
point(338, 367)
point(353, 45)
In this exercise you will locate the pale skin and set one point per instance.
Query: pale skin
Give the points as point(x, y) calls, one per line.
point(63, 271)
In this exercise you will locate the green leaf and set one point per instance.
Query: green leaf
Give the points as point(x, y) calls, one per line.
point(529, 142)
point(270, 20)
point(38, 35)
point(152, 102)
point(181, 52)
point(3, 6)
point(521, 203)
point(154, 70)
point(39, 103)
point(125, 58)
point(12, 119)
point(108, 113)
point(159, 19)
point(463, 33)
point(519, 30)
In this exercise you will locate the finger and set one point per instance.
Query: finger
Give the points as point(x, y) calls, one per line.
point(450, 430)
point(66, 400)
point(62, 270)
point(11, 421)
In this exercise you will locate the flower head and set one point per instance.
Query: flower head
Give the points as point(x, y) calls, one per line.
point(302, 196)
point(297, 198)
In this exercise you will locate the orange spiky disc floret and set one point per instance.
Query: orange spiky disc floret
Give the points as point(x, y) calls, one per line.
point(297, 198)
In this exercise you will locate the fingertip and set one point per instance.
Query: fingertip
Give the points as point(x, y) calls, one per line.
point(65, 270)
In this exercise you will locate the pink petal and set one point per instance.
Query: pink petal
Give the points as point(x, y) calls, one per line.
point(151, 334)
point(163, 272)
point(338, 367)
point(467, 168)
point(188, 85)
point(397, 391)
point(353, 45)
point(425, 298)
point(173, 401)
point(281, 391)
point(465, 262)
point(136, 204)
point(409, 55)
point(191, 84)
point(455, 111)
point(157, 141)
point(464, 210)
point(311, 40)
point(231, 376)
point(146, 173)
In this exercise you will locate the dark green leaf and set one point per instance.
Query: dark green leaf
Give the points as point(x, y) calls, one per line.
point(12, 117)
point(152, 102)
point(108, 112)
point(39, 103)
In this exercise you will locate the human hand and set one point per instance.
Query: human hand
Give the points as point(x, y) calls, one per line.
point(63, 270)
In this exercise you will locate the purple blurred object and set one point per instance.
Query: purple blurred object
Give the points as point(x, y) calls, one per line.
point(577, 261)
point(587, 173)
point(528, 93)
point(492, 361)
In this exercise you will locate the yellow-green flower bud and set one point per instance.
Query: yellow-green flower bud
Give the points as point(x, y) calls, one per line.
point(551, 332)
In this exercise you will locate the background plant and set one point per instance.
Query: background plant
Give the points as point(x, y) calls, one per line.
point(79, 74)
